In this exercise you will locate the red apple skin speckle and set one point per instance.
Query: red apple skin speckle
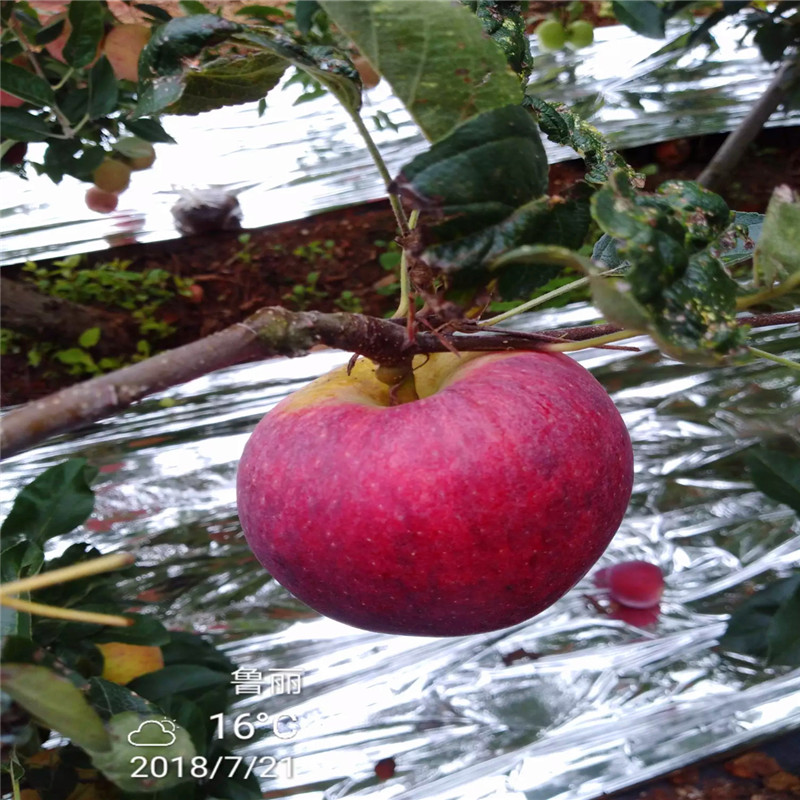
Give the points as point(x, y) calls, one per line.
point(466, 511)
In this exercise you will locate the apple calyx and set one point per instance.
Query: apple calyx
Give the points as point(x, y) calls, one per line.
point(400, 379)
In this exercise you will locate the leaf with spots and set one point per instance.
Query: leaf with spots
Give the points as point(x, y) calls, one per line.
point(675, 287)
point(435, 56)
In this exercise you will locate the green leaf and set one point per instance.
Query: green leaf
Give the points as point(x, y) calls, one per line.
point(23, 126)
point(777, 474)
point(329, 66)
point(506, 26)
point(103, 89)
point(435, 56)
point(748, 629)
point(531, 266)
point(109, 698)
point(783, 634)
point(56, 702)
point(90, 337)
point(642, 16)
point(149, 130)
point(57, 501)
point(177, 679)
point(676, 288)
point(304, 15)
point(481, 173)
point(189, 648)
point(25, 85)
point(777, 254)
point(229, 81)
point(180, 39)
point(564, 127)
point(87, 32)
point(146, 630)
point(193, 7)
point(158, 94)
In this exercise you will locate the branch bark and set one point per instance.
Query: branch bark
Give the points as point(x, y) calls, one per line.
point(720, 169)
point(271, 331)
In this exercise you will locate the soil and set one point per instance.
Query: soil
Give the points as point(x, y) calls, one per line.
point(234, 278)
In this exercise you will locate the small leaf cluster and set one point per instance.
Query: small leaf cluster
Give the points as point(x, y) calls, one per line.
point(71, 100)
point(52, 668)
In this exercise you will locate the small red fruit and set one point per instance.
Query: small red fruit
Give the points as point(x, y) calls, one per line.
point(636, 584)
point(100, 201)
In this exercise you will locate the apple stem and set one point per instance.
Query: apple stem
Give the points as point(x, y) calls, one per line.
point(400, 377)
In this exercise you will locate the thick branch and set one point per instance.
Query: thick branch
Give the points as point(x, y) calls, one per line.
point(721, 167)
point(269, 332)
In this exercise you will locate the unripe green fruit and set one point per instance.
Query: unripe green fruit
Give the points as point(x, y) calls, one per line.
point(580, 33)
point(112, 176)
point(551, 34)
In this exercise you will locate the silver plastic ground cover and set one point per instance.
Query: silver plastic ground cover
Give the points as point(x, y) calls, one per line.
point(603, 705)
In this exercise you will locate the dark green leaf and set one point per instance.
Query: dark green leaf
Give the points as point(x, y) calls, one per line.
point(109, 698)
point(777, 474)
point(531, 266)
point(103, 89)
point(261, 12)
point(50, 32)
point(564, 127)
point(772, 40)
point(642, 16)
point(304, 15)
point(542, 221)
point(435, 56)
point(175, 680)
point(749, 625)
point(503, 21)
point(87, 32)
point(25, 85)
point(149, 130)
point(189, 648)
point(605, 252)
point(783, 635)
point(57, 501)
point(180, 39)
point(229, 81)
point(675, 288)
point(23, 126)
point(702, 32)
point(56, 702)
point(156, 12)
point(329, 66)
point(193, 7)
point(75, 104)
point(481, 173)
point(146, 630)
point(188, 715)
point(158, 94)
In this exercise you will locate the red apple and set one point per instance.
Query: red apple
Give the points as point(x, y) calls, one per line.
point(468, 510)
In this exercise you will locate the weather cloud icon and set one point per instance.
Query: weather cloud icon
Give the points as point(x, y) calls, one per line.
point(153, 733)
